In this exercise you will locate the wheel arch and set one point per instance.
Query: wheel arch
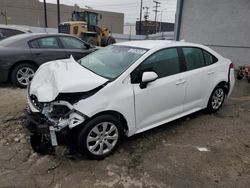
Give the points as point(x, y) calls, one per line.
point(116, 114)
point(224, 84)
point(20, 62)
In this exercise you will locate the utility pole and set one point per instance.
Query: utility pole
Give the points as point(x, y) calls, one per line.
point(45, 14)
point(146, 15)
point(140, 18)
point(156, 11)
point(4, 14)
point(161, 20)
point(58, 14)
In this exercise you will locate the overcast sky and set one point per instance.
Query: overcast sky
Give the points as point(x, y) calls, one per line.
point(130, 8)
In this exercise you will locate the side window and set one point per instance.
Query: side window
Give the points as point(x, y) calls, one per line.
point(163, 63)
point(34, 44)
point(48, 42)
point(194, 58)
point(72, 43)
point(209, 58)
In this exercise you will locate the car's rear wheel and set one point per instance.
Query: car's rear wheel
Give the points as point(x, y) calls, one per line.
point(100, 137)
point(22, 74)
point(216, 99)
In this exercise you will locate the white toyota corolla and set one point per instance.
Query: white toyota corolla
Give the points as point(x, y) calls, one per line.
point(122, 90)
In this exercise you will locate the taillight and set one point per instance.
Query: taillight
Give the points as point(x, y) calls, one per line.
point(231, 66)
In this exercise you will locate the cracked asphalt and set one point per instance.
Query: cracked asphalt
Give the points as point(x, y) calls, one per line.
point(167, 156)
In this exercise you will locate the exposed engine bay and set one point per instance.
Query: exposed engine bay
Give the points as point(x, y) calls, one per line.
point(47, 126)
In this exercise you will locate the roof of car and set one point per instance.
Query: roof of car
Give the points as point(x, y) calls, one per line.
point(15, 27)
point(21, 39)
point(30, 36)
point(43, 34)
point(151, 44)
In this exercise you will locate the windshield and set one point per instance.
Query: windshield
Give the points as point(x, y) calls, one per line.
point(111, 61)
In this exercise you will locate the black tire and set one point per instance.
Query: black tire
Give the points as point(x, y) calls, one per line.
point(111, 40)
point(215, 102)
point(15, 74)
point(104, 41)
point(90, 40)
point(41, 145)
point(88, 132)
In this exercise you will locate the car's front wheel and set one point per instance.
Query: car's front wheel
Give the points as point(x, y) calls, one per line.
point(22, 74)
point(216, 99)
point(100, 136)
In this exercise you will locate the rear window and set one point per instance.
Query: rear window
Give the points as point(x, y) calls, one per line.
point(11, 40)
point(209, 58)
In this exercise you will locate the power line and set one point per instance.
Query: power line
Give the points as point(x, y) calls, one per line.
point(116, 4)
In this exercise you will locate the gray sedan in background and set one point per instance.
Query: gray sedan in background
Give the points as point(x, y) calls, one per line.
point(21, 55)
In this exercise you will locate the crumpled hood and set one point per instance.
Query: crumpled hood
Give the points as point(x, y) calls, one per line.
point(63, 76)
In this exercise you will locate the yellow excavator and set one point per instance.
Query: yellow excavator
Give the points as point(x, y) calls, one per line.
point(84, 25)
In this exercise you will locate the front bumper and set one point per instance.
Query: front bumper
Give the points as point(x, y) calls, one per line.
point(53, 118)
point(40, 125)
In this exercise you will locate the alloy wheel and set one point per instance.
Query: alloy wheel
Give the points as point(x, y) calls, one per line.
point(102, 138)
point(217, 98)
point(24, 75)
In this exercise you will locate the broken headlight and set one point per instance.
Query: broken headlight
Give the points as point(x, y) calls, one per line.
point(62, 114)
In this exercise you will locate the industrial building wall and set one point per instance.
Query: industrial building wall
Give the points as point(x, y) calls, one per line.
point(224, 25)
point(31, 13)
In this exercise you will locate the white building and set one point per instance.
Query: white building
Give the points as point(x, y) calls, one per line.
point(224, 25)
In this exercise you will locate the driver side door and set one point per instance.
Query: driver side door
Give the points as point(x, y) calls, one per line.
point(161, 100)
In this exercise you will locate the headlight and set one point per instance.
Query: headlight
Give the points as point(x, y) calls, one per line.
point(62, 114)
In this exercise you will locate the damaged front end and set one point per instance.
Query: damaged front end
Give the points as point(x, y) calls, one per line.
point(50, 125)
point(54, 91)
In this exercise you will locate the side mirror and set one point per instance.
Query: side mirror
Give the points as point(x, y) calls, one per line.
point(146, 78)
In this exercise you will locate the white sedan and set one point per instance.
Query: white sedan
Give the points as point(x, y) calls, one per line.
point(122, 90)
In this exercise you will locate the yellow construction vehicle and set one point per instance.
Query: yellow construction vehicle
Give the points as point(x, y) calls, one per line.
point(85, 26)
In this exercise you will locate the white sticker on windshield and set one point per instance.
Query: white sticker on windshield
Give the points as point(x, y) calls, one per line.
point(137, 51)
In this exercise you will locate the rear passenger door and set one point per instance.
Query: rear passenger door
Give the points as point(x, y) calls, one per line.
point(198, 79)
point(46, 49)
point(163, 98)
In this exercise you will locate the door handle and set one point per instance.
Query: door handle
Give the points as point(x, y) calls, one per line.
point(37, 53)
point(210, 72)
point(180, 82)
